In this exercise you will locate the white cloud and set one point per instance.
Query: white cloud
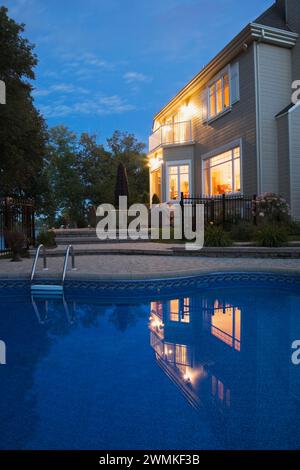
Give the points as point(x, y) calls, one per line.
point(61, 88)
point(134, 77)
point(104, 105)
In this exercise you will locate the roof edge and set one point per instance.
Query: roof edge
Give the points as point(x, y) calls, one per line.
point(252, 32)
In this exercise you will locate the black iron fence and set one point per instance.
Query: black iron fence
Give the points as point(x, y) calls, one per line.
point(16, 215)
point(224, 209)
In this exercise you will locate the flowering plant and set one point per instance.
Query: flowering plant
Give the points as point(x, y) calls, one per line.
point(271, 207)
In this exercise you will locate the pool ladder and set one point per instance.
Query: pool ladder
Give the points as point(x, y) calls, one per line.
point(50, 290)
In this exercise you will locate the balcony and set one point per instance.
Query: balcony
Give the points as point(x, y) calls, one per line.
point(170, 134)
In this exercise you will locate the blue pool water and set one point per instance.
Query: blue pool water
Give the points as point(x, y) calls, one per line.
point(209, 368)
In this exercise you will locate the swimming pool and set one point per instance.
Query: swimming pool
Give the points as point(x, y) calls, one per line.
point(197, 363)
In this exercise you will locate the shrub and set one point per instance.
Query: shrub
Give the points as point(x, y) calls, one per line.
point(81, 223)
point(272, 208)
point(294, 228)
point(243, 231)
point(16, 242)
point(216, 236)
point(47, 238)
point(272, 236)
point(155, 199)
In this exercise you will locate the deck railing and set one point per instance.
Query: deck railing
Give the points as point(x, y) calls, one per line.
point(16, 215)
point(176, 133)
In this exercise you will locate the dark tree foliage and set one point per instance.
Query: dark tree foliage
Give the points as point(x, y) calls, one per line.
point(22, 129)
point(83, 174)
point(121, 184)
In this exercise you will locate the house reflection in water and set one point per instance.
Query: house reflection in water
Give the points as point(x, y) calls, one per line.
point(221, 352)
point(174, 336)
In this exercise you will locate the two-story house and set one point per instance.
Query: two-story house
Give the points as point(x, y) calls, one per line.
point(233, 127)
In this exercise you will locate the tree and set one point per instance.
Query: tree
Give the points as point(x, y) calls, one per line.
point(97, 170)
point(126, 149)
point(22, 129)
point(81, 172)
point(121, 184)
point(64, 174)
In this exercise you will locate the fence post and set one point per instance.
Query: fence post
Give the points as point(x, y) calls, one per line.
point(182, 215)
point(223, 209)
point(212, 211)
point(254, 209)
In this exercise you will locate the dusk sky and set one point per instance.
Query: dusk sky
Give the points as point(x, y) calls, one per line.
point(112, 64)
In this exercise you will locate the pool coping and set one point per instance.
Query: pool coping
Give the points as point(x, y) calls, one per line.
point(153, 276)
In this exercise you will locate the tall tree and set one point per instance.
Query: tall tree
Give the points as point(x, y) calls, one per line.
point(126, 149)
point(97, 170)
point(22, 129)
point(64, 175)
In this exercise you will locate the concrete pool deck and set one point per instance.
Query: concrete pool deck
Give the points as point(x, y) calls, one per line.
point(116, 266)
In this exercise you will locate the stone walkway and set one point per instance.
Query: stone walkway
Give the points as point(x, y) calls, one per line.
point(138, 266)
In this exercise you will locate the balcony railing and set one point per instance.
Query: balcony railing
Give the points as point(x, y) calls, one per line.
point(176, 133)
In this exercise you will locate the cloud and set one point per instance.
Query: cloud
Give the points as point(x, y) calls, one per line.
point(101, 105)
point(134, 77)
point(61, 88)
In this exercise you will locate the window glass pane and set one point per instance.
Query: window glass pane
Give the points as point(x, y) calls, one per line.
point(181, 355)
point(184, 170)
point(212, 101)
point(236, 152)
point(173, 186)
point(221, 178)
point(226, 91)
point(174, 310)
point(222, 158)
point(184, 184)
point(173, 170)
point(156, 183)
point(206, 177)
point(219, 96)
point(237, 175)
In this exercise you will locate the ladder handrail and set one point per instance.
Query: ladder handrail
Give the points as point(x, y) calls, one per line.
point(40, 247)
point(70, 249)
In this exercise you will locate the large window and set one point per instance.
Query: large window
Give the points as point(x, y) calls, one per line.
point(222, 173)
point(219, 95)
point(178, 181)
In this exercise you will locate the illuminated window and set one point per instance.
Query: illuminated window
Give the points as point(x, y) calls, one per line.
point(178, 181)
point(174, 310)
point(219, 95)
point(156, 183)
point(182, 355)
point(226, 325)
point(180, 310)
point(222, 173)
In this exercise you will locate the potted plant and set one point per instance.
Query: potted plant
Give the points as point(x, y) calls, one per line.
point(16, 242)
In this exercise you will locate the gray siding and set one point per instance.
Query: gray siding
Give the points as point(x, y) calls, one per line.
point(239, 123)
point(293, 20)
point(283, 157)
point(274, 77)
point(295, 160)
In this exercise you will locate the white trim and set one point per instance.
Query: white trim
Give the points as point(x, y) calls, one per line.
point(238, 97)
point(258, 125)
point(212, 82)
point(178, 163)
point(218, 151)
point(218, 116)
point(290, 163)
